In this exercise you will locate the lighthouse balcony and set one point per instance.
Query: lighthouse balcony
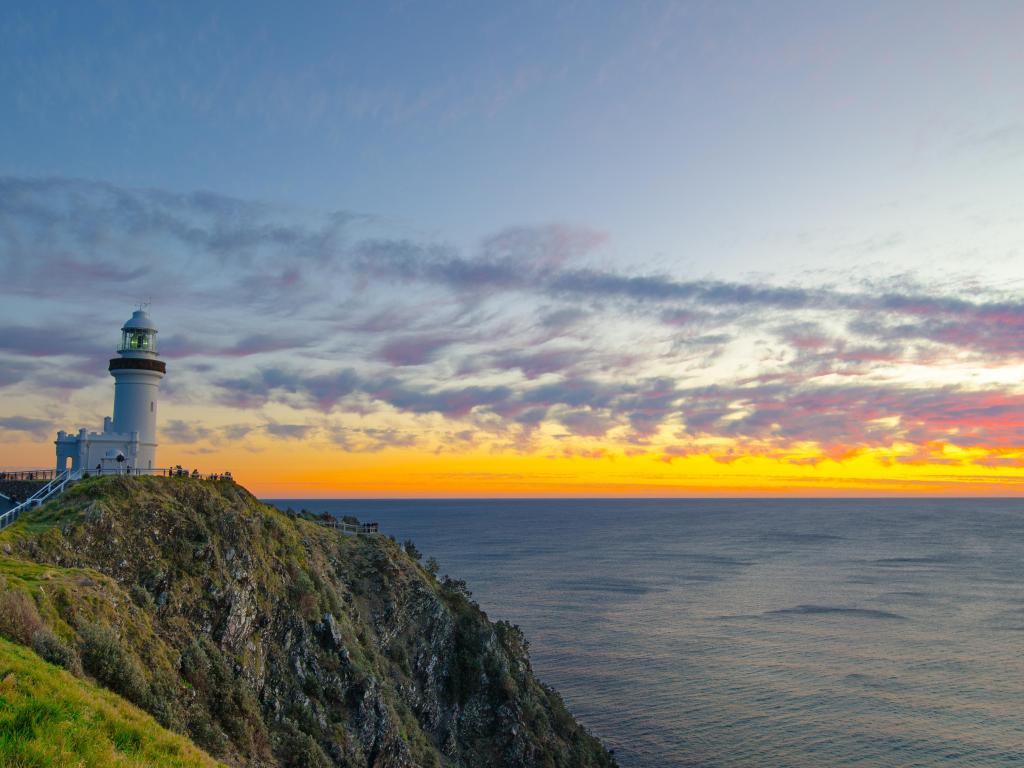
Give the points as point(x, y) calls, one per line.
point(137, 364)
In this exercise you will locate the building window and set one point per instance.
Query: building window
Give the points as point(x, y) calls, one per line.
point(152, 406)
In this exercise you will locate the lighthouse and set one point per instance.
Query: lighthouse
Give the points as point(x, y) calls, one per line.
point(129, 438)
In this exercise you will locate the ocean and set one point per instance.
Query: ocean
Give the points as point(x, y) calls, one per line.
point(751, 632)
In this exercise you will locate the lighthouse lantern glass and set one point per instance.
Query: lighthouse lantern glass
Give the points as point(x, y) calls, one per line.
point(138, 340)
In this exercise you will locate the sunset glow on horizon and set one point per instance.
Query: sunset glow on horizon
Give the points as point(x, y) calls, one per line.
point(597, 261)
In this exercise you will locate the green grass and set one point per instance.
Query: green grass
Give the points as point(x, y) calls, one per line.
point(51, 719)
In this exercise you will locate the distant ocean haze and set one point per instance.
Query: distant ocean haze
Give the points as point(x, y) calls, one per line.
point(754, 632)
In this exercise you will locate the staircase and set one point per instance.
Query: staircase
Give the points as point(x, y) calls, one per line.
point(47, 492)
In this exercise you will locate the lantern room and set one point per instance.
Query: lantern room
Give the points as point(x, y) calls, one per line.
point(138, 335)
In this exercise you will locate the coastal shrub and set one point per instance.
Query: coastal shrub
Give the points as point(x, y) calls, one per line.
point(561, 720)
point(433, 566)
point(512, 637)
point(54, 650)
point(464, 676)
point(311, 687)
point(411, 550)
point(141, 597)
point(507, 686)
point(296, 749)
point(210, 673)
point(106, 659)
point(207, 735)
point(303, 594)
point(195, 668)
point(164, 686)
point(456, 588)
point(19, 619)
point(398, 654)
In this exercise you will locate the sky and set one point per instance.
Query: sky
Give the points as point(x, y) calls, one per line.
point(525, 249)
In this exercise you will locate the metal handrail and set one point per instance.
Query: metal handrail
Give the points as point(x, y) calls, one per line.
point(27, 474)
point(109, 471)
point(52, 488)
point(123, 470)
point(362, 529)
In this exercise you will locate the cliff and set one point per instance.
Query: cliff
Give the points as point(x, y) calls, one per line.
point(273, 641)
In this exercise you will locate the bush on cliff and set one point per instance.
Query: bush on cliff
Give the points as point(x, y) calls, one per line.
point(105, 658)
point(19, 619)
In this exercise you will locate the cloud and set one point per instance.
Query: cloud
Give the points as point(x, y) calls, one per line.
point(325, 312)
point(327, 390)
point(72, 235)
point(62, 338)
point(188, 433)
point(179, 346)
point(40, 428)
point(288, 431)
point(560, 320)
point(91, 213)
point(513, 259)
point(372, 440)
point(536, 364)
point(246, 392)
point(184, 433)
point(450, 401)
point(16, 371)
point(990, 333)
point(415, 349)
point(236, 432)
point(322, 391)
point(587, 406)
point(857, 415)
point(586, 422)
point(660, 288)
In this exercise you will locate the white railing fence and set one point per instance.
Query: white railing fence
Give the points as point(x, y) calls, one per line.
point(51, 489)
point(362, 529)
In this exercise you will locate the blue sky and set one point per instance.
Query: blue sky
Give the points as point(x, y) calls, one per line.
point(507, 224)
point(704, 136)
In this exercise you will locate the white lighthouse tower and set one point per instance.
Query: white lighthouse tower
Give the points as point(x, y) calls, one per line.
point(137, 373)
point(129, 439)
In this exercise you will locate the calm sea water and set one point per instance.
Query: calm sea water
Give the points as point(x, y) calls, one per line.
point(755, 633)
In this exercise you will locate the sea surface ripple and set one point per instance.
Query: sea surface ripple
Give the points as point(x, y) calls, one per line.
point(755, 633)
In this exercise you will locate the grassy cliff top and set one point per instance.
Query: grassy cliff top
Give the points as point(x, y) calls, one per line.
point(52, 719)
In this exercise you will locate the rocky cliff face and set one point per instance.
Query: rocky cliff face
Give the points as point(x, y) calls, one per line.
point(274, 641)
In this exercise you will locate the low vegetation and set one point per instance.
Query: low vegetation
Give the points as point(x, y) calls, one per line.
point(52, 719)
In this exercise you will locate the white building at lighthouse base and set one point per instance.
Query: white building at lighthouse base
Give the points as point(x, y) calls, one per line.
point(92, 451)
